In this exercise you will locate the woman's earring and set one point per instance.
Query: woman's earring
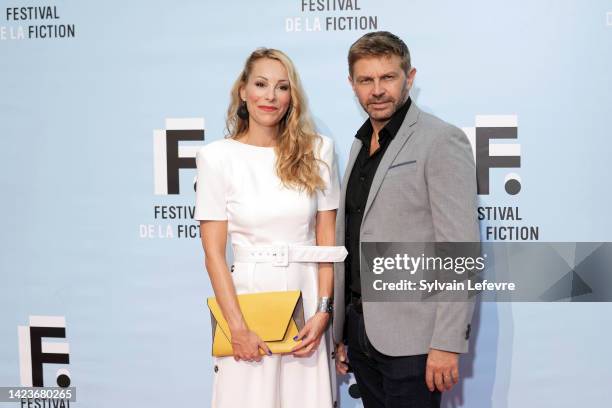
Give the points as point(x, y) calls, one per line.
point(242, 111)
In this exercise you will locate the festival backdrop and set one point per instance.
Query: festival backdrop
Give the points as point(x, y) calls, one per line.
point(103, 105)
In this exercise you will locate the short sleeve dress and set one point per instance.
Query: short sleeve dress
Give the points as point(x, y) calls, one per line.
point(237, 182)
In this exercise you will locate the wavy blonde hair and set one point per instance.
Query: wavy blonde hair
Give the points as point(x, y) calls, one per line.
point(297, 166)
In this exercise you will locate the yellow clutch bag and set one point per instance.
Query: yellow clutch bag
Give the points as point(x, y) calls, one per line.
point(276, 317)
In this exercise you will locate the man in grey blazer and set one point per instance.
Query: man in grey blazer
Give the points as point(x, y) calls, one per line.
point(410, 178)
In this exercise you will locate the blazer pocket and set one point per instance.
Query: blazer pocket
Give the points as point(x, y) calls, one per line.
point(402, 164)
point(405, 168)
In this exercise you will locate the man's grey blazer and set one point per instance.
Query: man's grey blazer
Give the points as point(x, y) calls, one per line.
point(424, 190)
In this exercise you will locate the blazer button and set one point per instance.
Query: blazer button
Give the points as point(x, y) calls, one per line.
point(216, 369)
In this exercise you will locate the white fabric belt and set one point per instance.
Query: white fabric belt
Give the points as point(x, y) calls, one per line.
point(283, 254)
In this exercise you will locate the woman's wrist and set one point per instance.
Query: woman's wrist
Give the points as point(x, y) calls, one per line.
point(325, 304)
point(324, 318)
point(238, 327)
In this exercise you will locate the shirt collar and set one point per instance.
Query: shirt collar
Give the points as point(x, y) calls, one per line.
point(391, 128)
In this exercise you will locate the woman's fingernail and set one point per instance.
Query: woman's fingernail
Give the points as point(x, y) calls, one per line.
point(295, 338)
point(269, 353)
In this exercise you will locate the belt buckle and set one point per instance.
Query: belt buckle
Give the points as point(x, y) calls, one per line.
point(281, 255)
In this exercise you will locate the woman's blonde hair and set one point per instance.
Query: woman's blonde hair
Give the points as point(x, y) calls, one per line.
point(297, 165)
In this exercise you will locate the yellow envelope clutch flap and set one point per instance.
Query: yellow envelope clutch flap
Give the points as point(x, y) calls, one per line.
point(276, 317)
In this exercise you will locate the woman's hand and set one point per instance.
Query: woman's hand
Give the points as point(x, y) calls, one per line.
point(246, 345)
point(311, 335)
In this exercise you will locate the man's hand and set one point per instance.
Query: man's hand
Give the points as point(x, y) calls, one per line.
point(341, 359)
point(442, 370)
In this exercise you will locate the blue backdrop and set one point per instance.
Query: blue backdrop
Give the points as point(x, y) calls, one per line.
point(89, 90)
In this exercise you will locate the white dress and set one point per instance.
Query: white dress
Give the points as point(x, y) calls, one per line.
point(237, 182)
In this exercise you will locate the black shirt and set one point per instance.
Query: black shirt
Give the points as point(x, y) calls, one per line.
point(358, 188)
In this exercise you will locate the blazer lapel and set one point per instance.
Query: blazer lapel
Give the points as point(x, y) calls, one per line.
point(340, 223)
point(355, 148)
point(396, 145)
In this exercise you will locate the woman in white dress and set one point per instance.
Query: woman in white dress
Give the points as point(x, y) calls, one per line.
point(272, 182)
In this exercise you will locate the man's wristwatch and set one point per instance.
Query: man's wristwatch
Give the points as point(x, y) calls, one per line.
point(325, 304)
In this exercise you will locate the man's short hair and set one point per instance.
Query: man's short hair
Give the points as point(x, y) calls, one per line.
point(378, 44)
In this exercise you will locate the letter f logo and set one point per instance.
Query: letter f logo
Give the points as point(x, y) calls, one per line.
point(501, 155)
point(33, 352)
point(169, 157)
